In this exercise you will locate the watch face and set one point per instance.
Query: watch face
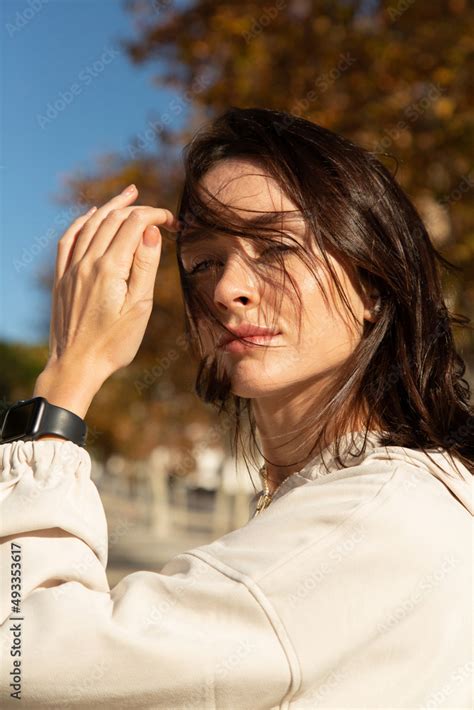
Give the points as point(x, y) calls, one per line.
point(21, 419)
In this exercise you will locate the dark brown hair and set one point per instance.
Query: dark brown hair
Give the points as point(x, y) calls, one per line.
point(405, 370)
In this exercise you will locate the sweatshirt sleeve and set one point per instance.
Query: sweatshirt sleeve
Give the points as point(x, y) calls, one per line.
point(188, 636)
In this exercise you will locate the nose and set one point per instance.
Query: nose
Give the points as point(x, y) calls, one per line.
point(237, 286)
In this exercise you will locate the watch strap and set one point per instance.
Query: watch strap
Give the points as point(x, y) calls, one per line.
point(63, 422)
point(30, 419)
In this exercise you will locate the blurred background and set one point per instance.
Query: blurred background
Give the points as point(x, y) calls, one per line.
point(99, 95)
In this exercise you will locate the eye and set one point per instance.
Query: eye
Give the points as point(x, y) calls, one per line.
point(196, 268)
point(279, 247)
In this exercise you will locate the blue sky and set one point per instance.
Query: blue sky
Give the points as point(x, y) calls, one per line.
point(69, 96)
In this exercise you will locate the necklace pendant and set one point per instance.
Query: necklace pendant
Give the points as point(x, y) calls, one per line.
point(262, 503)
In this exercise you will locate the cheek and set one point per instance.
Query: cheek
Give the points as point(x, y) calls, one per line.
point(317, 321)
point(325, 326)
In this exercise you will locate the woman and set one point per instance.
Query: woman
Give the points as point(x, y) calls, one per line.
point(350, 584)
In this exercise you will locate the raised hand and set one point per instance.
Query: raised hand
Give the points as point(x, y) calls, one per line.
point(106, 268)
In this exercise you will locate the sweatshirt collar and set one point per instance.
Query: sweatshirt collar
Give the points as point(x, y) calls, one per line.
point(325, 462)
point(459, 481)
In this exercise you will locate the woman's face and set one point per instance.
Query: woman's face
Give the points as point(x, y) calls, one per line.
point(240, 296)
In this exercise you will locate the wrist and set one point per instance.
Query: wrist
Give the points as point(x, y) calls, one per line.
point(67, 387)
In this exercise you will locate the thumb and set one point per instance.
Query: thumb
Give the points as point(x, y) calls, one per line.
point(145, 265)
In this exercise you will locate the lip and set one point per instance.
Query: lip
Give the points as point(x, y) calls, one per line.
point(237, 346)
point(246, 330)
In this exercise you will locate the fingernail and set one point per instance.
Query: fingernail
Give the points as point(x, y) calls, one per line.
point(128, 190)
point(151, 236)
point(91, 211)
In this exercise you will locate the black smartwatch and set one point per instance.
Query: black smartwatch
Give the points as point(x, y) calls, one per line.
point(30, 418)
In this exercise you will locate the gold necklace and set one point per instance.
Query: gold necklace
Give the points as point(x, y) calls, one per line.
point(266, 497)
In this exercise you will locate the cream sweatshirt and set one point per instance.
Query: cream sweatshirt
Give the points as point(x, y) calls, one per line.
point(353, 589)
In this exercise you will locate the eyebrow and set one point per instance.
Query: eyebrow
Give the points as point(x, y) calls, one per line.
point(266, 219)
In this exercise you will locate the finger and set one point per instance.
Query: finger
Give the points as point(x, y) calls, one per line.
point(66, 242)
point(124, 243)
point(144, 267)
point(87, 233)
point(108, 230)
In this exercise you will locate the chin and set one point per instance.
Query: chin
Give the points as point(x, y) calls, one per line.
point(256, 385)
